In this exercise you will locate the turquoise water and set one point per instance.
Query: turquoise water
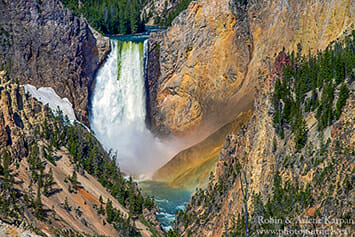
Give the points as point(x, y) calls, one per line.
point(133, 38)
point(140, 37)
point(168, 199)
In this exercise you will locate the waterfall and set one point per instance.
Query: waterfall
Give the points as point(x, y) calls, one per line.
point(118, 110)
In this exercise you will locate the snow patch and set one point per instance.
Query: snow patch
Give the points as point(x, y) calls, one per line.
point(47, 95)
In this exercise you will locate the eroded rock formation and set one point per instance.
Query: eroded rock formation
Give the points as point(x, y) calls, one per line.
point(44, 44)
point(268, 174)
point(202, 71)
point(31, 135)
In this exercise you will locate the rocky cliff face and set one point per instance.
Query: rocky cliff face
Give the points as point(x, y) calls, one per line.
point(202, 71)
point(266, 176)
point(190, 168)
point(197, 70)
point(44, 44)
point(37, 164)
point(161, 12)
point(154, 9)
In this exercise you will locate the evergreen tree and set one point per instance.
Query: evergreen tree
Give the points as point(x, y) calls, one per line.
point(101, 210)
point(320, 75)
point(172, 233)
point(33, 158)
point(66, 205)
point(300, 131)
point(74, 180)
point(343, 96)
point(111, 16)
point(45, 129)
point(1, 167)
point(38, 205)
point(48, 183)
point(109, 211)
point(133, 17)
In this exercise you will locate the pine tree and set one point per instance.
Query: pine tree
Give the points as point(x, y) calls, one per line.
point(45, 128)
point(38, 205)
point(49, 181)
point(109, 211)
point(300, 131)
point(340, 69)
point(66, 205)
point(33, 158)
point(172, 233)
point(343, 96)
point(74, 180)
point(40, 181)
point(1, 168)
point(133, 17)
point(101, 210)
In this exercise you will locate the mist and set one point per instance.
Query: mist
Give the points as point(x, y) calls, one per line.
point(117, 113)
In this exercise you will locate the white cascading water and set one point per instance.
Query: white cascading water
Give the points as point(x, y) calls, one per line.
point(118, 111)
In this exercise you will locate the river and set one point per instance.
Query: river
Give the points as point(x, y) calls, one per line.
point(117, 117)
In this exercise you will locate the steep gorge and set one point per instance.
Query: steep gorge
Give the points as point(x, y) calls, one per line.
point(204, 69)
point(202, 74)
point(263, 174)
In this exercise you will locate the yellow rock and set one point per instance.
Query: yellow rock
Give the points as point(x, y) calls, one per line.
point(213, 55)
point(191, 168)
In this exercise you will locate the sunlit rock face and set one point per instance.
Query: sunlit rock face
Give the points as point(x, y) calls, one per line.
point(192, 167)
point(200, 65)
point(203, 70)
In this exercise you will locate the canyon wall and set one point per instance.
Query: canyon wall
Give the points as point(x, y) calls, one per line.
point(202, 71)
point(261, 174)
point(200, 66)
point(37, 184)
point(45, 45)
point(191, 168)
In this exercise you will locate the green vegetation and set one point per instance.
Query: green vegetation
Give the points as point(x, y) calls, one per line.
point(287, 196)
point(74, 180)
point(209, 199)
point(151, 229)
point(309, 84)
point(287, 200)
point(169, 17)
point(172, 233)
point(86, 156)
point(48, 183)
point(110, 16)
point(121, 224)
point(343, 96)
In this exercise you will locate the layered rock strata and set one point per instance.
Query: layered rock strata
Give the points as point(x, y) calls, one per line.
point(202, 71)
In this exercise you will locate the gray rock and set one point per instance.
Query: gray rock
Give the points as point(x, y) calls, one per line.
point(45, 45)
